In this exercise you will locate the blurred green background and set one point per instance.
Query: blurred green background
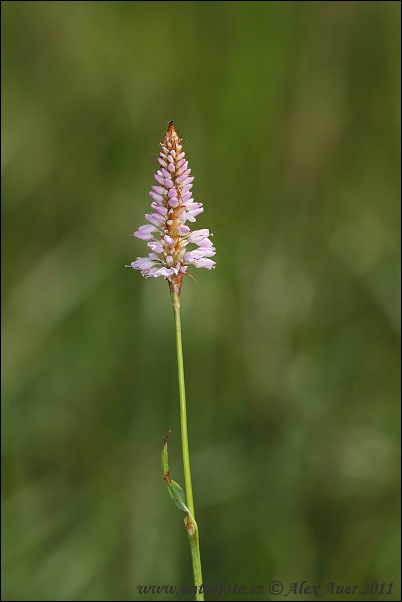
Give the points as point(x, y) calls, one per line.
point(291, 113)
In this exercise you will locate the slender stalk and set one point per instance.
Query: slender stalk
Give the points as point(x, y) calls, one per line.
point(191, 525)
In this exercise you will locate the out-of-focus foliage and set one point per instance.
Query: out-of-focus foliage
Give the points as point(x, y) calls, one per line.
point(291, 113)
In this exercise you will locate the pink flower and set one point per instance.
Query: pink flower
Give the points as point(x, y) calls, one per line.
point(167, 232)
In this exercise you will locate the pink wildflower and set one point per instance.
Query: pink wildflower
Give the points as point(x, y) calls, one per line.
point(167, 232)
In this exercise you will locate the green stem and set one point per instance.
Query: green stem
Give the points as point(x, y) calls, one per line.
point(191, 525)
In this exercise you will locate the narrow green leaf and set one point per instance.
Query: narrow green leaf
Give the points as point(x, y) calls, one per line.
point(165, 459)
point(178, 496)
point(175, 491)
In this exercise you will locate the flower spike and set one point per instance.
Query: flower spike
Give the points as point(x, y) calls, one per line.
point(167, 232)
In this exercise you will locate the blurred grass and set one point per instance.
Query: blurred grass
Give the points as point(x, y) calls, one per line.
point(292, 345)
